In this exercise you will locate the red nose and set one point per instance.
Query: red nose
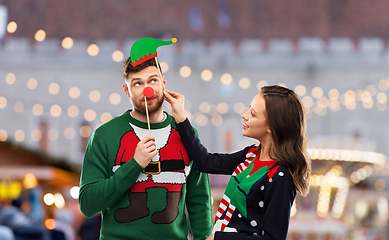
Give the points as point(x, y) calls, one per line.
point(148, 92)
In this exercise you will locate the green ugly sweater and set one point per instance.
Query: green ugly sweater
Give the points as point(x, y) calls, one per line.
point(138, 203)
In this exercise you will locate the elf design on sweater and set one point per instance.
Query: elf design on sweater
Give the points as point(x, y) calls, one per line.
point(245, 175)
point(168, 169)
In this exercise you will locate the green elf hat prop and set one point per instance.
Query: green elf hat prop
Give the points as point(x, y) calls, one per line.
point(146, 48)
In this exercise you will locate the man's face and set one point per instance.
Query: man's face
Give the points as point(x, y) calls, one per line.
point(136, 82)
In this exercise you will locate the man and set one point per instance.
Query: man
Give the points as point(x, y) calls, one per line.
point(141, 183)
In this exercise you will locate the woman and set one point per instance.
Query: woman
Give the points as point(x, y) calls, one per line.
point(258, 198)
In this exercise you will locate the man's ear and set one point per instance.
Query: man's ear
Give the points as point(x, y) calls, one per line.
point(164, 81)
point(126, 90)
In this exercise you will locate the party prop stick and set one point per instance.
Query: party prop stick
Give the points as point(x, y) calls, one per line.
point(160, 73)
point(148, 92)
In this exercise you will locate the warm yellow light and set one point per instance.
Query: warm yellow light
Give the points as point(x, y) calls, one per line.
point(19, 106)
point(3, 102)
point(333, 93)
point(74, 192)
point(50, 224)
point(10, 78)
point(217, 120)
point(54, 88)
point(334, 105)
point(206, 75)
point(3, 135)
point(185, 71)
point(115, 98)
point(32, 83)
point(307, 101)
point(69, 133)
point(222, 107)
point(244, 83)
point(164, 66)
point(73, 111)
point(85, 131)
point(19, 135)
point(261, 84)
point(12, 27)
point(53, 134)
point(317, 92)
point(55, 110)
point(90, 115)
point(36, 135)
point(300, 90)
point(59, 201)
point(40, 35)
point(48, 199)
point(105, 117)
point(239, 108)
point(380, 184)
point(74, 92)
point(117, 56)
point(204, 107)
point(30, 181)
point(226, 79)
point(67, 43)
point(323, 102)
point(381, 97)
point(93, 50)
point(372, 90)
point(94, 96)
point(201, 120)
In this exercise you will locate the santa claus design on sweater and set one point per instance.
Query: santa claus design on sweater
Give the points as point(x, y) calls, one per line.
point(168, 169)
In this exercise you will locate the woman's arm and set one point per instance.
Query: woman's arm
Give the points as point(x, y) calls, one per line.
point(205, 162)
point(217, 163)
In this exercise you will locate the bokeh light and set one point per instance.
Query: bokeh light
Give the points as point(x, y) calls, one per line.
point(40, 35)
point(32, 83)
point(93, 50)
point(185, 71)
point(226, 79)
point(117, 56)
point(67, 43)
point(206, 75)
point(12, 27)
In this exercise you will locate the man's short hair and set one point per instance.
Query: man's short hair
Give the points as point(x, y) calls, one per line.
point(128, 68)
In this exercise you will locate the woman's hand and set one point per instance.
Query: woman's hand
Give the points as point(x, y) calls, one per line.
point(176, 101)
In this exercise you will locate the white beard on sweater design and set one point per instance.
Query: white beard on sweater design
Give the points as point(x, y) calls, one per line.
point(161, 139)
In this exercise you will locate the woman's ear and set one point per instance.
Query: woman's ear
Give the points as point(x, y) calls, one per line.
point(268, 130)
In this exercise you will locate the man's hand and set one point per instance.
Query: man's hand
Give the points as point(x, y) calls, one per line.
point(176, 100)
point(145, 151)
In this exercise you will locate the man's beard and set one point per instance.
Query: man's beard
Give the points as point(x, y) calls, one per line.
point(140, 106)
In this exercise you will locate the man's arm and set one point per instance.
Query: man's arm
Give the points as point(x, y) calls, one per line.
point(99, 190)
point(199, 204)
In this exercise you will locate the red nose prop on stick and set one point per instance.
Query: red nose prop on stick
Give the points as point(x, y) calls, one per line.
point(148, 92)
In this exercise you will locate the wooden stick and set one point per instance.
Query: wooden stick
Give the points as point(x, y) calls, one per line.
point(160, 73)
point(147, 116)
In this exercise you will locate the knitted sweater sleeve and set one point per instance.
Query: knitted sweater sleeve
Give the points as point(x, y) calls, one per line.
point(216, 163)
point(98, 188)
point(199, 204)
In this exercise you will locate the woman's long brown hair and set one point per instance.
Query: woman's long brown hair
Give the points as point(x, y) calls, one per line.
point(286, 119)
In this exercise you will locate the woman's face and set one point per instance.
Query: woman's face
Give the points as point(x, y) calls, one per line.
point(255, 122)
